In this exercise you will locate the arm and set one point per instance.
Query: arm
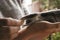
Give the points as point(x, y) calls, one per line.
point(10, 22)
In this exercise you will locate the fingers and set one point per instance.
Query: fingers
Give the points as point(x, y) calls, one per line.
point(55, 26)
point(10, 22)
point(56, 23)
point(46, 22)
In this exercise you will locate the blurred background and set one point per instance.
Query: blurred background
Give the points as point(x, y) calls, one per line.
point(46, 4)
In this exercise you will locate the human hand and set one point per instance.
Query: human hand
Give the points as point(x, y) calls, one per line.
point(38, 30)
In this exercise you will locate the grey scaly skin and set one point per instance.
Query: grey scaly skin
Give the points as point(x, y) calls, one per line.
point(11, 8)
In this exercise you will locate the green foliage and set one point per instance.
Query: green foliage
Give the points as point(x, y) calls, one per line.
point(56, 36)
